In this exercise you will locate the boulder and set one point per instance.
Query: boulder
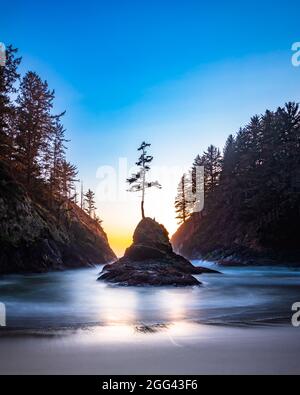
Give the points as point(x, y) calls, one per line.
point(150, 260)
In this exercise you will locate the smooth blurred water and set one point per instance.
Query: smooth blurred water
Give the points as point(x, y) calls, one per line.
point(239, 295)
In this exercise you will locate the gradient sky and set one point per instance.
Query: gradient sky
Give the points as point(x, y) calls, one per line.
point(180, 74)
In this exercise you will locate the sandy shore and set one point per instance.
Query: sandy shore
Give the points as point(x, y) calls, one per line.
point(178, 349)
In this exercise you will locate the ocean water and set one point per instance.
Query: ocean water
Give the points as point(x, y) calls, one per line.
point(241, 295)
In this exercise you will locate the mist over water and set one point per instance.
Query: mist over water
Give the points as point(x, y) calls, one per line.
point(244, 295)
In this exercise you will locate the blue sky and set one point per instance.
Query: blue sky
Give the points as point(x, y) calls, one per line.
point(182, 74)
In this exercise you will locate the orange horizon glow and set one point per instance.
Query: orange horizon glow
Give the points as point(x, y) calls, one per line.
point(121, 217)
point(121, 237)
point(119, 242)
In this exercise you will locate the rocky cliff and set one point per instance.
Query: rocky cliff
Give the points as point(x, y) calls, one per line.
point(220, 237)
point(150, 260)
point(37, 237)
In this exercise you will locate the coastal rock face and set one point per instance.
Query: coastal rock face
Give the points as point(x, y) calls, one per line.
point(39, 237)
point(219, 240)
point(226, 241)
point(150, 260)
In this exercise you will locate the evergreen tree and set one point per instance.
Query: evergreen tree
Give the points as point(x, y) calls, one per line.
point(182, 204)
point(254, 192)
point(212, 161)
point(32, 139)
point(35, 123)
point(204, 179)
point(8, 78)
point(227, 176)
point(67, 174)
point(55, 157)
point(229, 156)
point(138, 181)
point(198, 163)
point(195, 183)
point(90, 203)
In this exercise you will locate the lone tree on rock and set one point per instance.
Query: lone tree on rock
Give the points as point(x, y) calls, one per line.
point(138, 182)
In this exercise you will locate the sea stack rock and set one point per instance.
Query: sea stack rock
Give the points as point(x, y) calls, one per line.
point(150, 260)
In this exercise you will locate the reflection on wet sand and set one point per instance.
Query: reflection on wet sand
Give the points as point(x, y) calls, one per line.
point(126, 306)
point(126, 333)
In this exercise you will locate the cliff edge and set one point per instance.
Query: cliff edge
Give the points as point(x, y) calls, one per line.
point(40, 236)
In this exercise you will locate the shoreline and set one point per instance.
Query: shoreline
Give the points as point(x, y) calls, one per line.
point(227, 258)
point(181, 348)
point(154, 327)
point(66, 329)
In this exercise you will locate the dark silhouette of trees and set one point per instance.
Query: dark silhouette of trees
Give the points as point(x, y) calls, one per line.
point(32, 139)
point(68, 174)
point(8, 77)
point(252, 198)
point(182, 203)
point(90, 206)
point(54, 162)
point(34, 124)
point(138, 181)
point(198, 163)
point(212, 161)
point(204, 174)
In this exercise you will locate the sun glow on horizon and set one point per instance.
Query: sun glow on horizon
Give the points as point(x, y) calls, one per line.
point(121, 238)
point(121, 211)
point(119, 241)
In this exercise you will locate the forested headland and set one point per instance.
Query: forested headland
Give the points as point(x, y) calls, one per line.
point(252, 195)
point(44, 222)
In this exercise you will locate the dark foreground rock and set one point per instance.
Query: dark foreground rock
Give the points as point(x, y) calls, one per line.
point(150, 260)
point(39, 236)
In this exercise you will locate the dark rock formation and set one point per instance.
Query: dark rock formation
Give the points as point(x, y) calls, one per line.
point(222, 240)
point(37, 236)
point(150, 260)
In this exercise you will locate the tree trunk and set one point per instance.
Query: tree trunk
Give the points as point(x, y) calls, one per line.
point(143, 192)
point(143, 210)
